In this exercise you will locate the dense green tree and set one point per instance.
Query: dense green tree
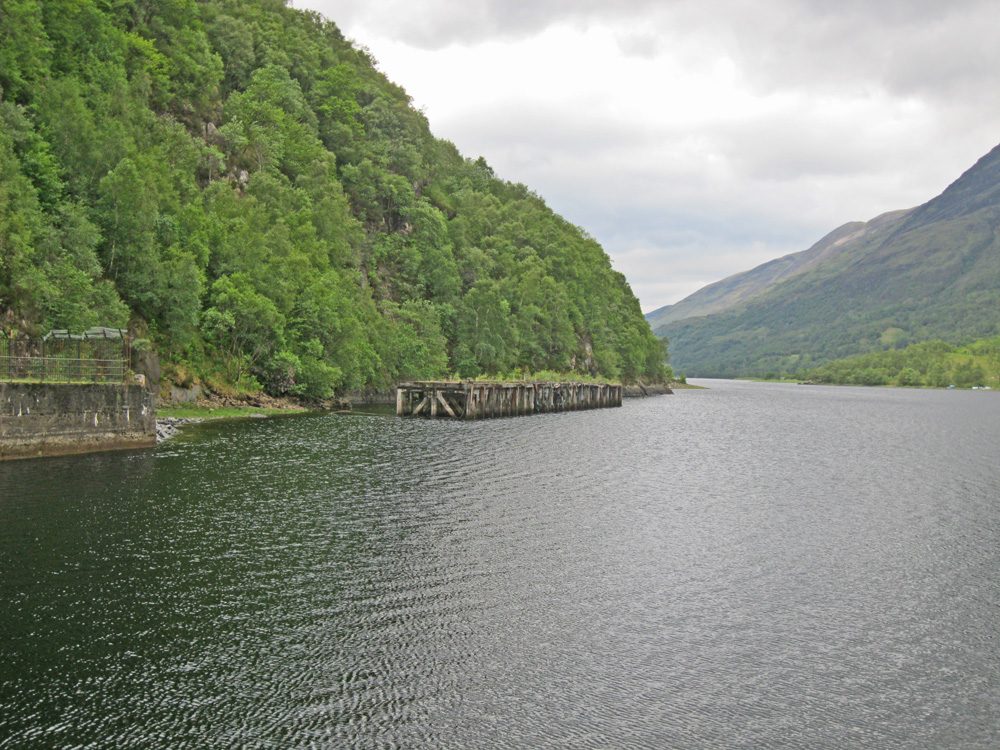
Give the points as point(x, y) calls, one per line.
point(25, 49)
point(485, 335)
point(969, 373)
point(909, 376)
point(243, 324)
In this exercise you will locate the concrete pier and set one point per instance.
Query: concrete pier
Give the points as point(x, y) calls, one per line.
point(47, 419)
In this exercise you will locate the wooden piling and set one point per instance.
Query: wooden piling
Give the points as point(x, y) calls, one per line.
point(486, 400)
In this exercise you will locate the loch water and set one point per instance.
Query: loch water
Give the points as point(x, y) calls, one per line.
point(748, 566)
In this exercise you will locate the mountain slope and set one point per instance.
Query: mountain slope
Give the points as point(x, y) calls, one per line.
point(742, 286)
point(932, 272)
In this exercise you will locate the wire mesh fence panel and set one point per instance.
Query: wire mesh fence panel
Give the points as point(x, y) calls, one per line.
point(63, 360)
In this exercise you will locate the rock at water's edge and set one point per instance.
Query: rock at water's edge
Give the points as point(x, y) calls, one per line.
point(168, 427)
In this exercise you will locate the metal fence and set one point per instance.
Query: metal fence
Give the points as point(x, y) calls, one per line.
point(98, 355)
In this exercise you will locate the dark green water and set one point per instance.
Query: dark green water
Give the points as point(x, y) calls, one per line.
point(750, 566)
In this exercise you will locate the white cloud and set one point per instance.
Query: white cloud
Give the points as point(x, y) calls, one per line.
point(698, 138)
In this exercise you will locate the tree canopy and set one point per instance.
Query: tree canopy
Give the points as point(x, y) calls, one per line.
point(240, 184)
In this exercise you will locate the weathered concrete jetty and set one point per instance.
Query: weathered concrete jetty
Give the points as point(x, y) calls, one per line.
point(485, 400)
point(50, 419)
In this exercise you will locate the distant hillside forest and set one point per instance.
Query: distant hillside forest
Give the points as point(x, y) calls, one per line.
point(242, 187)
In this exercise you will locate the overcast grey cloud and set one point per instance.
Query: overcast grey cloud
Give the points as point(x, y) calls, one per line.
point(698, 138)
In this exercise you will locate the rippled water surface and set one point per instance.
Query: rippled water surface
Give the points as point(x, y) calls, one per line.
point(743, 567)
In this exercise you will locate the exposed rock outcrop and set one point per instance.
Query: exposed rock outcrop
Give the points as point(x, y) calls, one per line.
point(168, 427)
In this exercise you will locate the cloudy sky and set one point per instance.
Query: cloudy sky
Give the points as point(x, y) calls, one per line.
point(695, 139)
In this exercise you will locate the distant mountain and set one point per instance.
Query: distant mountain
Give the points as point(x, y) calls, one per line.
point(742, 286)
point(903, 277)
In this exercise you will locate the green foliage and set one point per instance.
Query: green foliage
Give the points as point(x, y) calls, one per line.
point(49, 272)
point(319, 380)
point(241, 184)
point(484, 332)
point(929, 363)
point(244, 325)
point(412, 346)
point(25, 49)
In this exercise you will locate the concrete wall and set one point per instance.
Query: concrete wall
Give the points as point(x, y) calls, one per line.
point(44, 419)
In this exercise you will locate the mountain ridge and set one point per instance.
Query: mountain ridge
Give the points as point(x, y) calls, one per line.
point(906, 276)
point(734, 289)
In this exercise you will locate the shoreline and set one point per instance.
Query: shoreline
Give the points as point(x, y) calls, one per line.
point(169, 427)
point(172, 417)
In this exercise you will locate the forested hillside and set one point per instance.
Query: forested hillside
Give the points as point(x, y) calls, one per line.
point(907, 277)
point(240, 185)
point(930, 363)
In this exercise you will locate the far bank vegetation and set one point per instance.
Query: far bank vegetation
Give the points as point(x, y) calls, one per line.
point(930, 363)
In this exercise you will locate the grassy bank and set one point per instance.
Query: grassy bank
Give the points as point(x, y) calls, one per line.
point(189, 411)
